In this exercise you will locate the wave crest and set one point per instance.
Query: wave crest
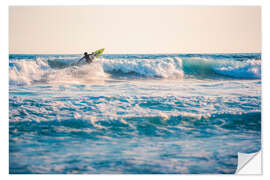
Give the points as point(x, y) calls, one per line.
point(161, 68)
point(210, 68)
point(239, 69)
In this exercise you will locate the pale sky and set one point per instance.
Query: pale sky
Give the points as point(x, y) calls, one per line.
point(134, 29)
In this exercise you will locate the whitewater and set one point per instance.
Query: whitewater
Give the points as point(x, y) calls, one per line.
point(133, 113)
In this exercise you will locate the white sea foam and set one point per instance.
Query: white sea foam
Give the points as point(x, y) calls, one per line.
point(26, 72)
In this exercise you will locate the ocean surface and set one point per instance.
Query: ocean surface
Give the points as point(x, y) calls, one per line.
point(135, 114)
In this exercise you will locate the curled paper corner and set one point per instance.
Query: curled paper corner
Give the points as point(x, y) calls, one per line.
point(249, 163)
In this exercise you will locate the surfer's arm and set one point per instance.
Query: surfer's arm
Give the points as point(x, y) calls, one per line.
point(81, 59)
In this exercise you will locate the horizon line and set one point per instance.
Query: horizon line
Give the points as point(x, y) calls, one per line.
point(133, 53)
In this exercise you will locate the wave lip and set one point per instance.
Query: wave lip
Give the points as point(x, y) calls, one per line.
point(160, 68)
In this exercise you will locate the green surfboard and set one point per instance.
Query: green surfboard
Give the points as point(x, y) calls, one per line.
point(98, 52)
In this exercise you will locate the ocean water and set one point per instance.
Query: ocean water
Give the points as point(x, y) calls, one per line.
point(135, 114)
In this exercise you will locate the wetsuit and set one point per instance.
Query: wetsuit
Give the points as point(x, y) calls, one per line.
point(89, 58)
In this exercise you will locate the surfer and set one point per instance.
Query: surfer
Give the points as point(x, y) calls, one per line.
point(88, 57)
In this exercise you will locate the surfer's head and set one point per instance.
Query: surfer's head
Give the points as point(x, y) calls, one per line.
point(85, 53)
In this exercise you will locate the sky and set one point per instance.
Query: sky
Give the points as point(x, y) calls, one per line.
point(134, 29)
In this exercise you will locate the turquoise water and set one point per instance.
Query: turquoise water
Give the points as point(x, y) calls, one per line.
point(189, 113)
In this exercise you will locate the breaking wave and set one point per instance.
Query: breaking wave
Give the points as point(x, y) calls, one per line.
point(54, 70)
